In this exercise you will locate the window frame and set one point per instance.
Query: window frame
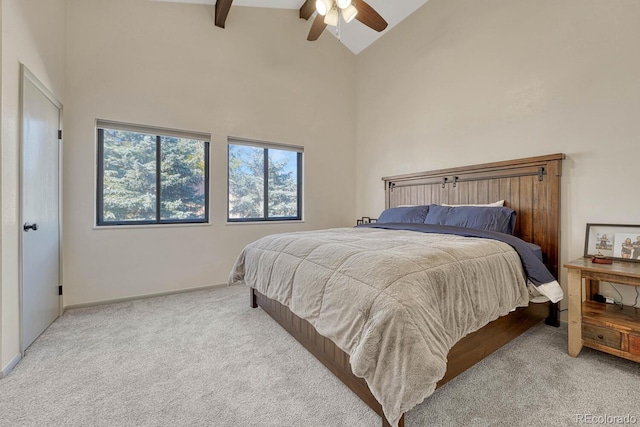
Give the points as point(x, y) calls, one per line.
point(266, 146)
point(159, 133)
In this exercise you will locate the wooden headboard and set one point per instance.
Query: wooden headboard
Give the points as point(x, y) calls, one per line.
point(530, 186)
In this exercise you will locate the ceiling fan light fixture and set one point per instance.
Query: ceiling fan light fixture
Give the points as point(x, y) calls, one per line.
point(349, 13)
point(323, 6)
point(331, 18)
point(343, 4)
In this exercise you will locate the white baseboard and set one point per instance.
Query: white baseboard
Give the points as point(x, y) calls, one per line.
point(125, 299)
point(12, 364)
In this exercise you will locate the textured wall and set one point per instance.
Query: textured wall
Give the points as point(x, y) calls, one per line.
point(166, 64)
point(463, 82)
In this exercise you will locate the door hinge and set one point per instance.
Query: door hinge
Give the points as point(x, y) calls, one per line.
point(60, 135)
point(60, 290)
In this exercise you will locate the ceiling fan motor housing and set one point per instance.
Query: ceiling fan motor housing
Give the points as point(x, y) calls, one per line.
point(329, 12)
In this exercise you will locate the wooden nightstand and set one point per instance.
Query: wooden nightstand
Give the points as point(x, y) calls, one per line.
point(604, 327)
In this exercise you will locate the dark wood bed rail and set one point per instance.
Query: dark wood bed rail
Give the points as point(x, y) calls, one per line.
point(466, 353)
point(329, 354)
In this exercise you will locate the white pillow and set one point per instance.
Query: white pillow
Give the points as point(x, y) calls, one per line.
point(494, 204)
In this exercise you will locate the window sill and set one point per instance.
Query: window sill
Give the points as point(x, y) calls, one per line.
point(133, 226)
point(292, 221)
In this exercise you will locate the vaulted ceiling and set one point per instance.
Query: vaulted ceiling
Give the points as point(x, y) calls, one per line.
point(354, 35)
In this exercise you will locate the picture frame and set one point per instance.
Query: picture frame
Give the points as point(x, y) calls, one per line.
point(619, 242)
point(366, 220)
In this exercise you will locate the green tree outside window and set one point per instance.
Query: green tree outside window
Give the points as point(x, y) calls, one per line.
point(250, 198)
point(132, 167)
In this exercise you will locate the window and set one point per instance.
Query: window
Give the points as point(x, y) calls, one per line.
point(151, 176)
point(265, 181)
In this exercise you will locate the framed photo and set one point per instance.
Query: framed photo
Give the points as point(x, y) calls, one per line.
point(366, 220)
point(615, 241)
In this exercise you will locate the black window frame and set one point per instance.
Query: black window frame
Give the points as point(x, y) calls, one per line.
point(266, 147)
point(159, 133)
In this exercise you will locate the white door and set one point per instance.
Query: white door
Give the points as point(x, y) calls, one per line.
point(40, 196)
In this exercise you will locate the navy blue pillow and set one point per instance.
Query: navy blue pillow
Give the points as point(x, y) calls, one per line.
point(500, 219)
point(414, 214)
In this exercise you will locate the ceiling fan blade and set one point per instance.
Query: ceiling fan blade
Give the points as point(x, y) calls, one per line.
point(317, 28)
point(369, 17)
point(307, 9)
point(221, 12)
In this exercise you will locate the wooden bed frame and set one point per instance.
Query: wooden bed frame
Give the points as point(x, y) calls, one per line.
point(530, 186)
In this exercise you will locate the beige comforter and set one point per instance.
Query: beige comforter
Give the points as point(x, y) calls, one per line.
point(395, 301)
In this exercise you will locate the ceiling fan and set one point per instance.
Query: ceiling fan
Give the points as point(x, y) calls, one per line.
point(330, 11)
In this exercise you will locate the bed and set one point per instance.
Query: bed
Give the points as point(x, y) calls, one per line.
point(529, 186)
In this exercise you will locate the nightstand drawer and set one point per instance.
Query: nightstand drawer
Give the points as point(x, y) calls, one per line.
point(602, 336)
point(634, 345)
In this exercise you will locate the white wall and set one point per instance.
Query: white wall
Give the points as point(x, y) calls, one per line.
point(2, 364)
point(463, 82)
point(167, 65)
point(33, 32)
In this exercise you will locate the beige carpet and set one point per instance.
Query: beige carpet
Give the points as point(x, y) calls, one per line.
point(206, 359)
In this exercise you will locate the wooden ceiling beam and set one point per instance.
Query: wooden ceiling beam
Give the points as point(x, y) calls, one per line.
point(222, 10)
point(307, 9)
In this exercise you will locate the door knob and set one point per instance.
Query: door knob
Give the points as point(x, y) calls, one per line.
point(27, 227)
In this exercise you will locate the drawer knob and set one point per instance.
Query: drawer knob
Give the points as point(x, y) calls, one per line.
point(600, 336)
